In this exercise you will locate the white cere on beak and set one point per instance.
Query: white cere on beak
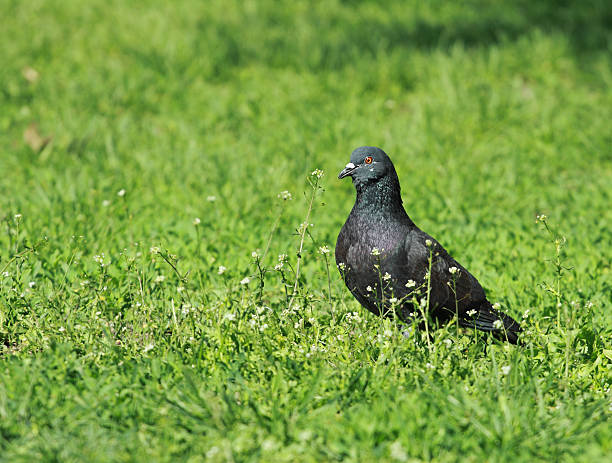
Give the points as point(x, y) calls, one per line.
point(350, 165)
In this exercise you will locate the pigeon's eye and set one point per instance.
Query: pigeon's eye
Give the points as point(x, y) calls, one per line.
point(368, 160)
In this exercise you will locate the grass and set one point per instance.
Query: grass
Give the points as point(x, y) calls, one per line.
point(493, 114)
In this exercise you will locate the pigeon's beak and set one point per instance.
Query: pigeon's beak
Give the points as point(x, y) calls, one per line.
point(348, 170)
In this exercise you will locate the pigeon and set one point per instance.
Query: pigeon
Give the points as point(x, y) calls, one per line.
point(385, 259)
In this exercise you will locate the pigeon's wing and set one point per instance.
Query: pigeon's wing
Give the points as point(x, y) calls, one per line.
point(445, 286)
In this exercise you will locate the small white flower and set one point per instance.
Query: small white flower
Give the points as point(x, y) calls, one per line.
point(254, 254)
point(18, 216)
point(526, 313)
point(471, 313)
point(278, 266)
point(410, 284)
point(369, 289)
point(453, 270)
point(263, 327)
point(230, 316)
point(342, 266)
point(375, 252)
point(148, 347)
point(429, 366)
point(317, 173)
point(302, 228)
point(388, 333)
point(506, 369)
point(498, 324)
point(245, 281)
point(84, 282)
point(448, 342)
point(180, 289)
point(428, 243)
point(497, 306)
point(154, 249)
point(121, 192)
point(324, 250)
point(211, 199)
point(386, 276)
point(159, 278)
point(285, 196)
point(105, 203)
point(588, 305)
point(282, 257)
point(221, 270)
point(393, 300)
point(397, 452)
point(197, 221)
point(5, 274)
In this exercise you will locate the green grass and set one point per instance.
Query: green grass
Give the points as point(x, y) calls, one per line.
point(492, 112)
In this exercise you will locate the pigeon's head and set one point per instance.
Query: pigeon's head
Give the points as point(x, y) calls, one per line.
point(368, 164)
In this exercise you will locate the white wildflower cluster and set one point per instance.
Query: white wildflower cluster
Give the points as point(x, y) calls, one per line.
point(211, 199)
point(186, 309)
point(324, 250)
point(99, 258)
point(393, 300)
point(121, 192)
point(221, 270)
point(196, 221)
point(428, 243)
point(255, 254)
point(410, 284)
point(497, 306)
point(18, 217)
point(259, 318)
point(159, 278)
point(6, 274)
point(148, 347)
point(471, 313)
point(369, 289)
point(245, 281)
point(353, 317)
point(453, 270)
point(154, 250)
point(498, 324)
point(541, 218)
point(588, 305)
point(342, 266)
point(375, 252)
point(317, 173)
point(282, 258)
point(526, 314)
point(231, 316)
point(106, 203)
point(31, 284)
point(285, 196)
point(506, 369)
point(386, 276)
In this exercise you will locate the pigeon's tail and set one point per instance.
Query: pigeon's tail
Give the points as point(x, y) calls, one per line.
point(492, 321)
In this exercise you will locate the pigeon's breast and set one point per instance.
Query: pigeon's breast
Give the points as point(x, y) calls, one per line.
point(365, 242)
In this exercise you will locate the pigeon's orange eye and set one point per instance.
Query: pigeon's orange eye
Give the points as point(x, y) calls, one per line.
point(368, 160)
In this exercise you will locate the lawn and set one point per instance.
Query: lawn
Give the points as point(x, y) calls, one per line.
point(157, 158)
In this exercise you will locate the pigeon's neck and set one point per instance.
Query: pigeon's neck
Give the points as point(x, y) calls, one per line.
point(380, 198)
